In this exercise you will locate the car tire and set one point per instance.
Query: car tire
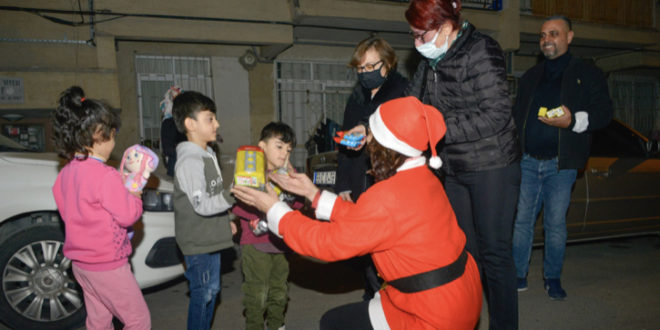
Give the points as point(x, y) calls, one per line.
point(38, 290)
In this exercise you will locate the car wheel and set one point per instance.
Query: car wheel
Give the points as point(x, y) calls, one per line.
point(38, 288)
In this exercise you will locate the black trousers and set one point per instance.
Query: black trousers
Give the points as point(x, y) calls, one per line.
point(485, 205)
point(372, 282)
point(352, 316)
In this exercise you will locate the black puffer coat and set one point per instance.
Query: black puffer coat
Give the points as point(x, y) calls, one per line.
point(353, 165)
point(468, 85)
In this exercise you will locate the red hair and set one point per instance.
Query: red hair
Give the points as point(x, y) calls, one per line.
point(431, 14)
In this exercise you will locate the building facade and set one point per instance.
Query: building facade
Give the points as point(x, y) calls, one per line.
point(264, 60)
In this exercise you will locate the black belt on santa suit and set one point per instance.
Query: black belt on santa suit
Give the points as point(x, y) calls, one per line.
point(433, 278)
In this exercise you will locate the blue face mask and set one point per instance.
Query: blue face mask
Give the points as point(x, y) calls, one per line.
point(430, 50)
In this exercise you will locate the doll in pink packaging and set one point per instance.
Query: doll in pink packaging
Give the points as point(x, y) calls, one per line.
point(136, 166)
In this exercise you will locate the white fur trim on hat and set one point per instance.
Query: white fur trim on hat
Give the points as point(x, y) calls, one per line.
point(386, 138)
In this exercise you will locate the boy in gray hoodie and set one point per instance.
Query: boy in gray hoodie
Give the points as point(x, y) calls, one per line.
point(202, 224)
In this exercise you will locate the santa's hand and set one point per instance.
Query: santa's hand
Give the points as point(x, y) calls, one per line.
point(297, 183)
point(262, 201)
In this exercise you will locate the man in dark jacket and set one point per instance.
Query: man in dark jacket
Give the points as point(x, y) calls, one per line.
point(560, 102)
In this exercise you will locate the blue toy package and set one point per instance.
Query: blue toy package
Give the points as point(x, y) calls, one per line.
point(349, 140)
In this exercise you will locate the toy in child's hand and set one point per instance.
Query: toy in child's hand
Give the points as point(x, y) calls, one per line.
point(280, 170)
point(250, 168)
point(259, 227)
point(349, 140)
point(136, 166)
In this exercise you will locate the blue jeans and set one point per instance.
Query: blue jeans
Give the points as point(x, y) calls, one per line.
point(542, 185)
point(203, 274)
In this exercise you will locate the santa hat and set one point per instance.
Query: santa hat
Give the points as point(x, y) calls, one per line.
point(408, 126)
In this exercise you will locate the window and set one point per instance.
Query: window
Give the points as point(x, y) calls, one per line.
point(635, 100)
point(309, 92)
point(155, 75)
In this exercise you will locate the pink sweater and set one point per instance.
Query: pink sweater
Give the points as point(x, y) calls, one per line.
point(96, 209)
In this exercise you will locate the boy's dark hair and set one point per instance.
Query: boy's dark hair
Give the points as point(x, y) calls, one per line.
point(77, 119)
point(278, 130)
point(187, 105)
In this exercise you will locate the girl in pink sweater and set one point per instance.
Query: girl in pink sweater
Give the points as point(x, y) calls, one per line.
point(96, 209)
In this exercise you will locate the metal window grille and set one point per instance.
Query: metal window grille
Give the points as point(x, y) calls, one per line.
point(309, 92)
point(636, 100)
point(155, 75)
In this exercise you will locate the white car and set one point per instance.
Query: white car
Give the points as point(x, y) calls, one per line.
point(38, 289)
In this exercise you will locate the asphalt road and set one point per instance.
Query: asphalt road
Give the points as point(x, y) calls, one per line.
point(612, 284)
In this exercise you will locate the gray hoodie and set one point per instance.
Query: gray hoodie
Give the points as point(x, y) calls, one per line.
point(200, 205)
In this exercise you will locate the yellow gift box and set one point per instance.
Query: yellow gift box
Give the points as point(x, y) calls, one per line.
point(250, 167)
point(552, 113)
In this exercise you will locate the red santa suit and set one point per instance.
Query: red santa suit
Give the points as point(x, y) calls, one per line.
point(408, 226)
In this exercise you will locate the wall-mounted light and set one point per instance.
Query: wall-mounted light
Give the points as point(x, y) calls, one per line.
point(248, 60)
point(12, 117)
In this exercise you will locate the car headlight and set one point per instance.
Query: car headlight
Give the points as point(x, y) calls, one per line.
point(157, 201)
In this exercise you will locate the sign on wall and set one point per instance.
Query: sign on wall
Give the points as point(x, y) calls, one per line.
point(11, 90)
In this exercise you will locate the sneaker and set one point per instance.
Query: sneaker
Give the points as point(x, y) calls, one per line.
point(554, 289)
point(522, 284)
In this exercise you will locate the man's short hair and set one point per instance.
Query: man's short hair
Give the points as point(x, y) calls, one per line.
point(563, 18)
point(278, 130)
point(187, 105)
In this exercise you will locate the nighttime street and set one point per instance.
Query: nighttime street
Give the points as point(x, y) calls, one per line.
point(155, 152)
point(611, 284)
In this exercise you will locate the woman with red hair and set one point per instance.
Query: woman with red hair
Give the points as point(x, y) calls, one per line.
point(464, 77)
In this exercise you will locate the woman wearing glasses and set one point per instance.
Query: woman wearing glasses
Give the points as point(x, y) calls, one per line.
point(464, 77)
point(375, 63)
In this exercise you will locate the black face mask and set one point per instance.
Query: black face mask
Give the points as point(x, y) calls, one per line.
point(371, 80)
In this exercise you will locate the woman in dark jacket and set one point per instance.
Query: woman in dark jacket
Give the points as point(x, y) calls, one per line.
point(464, 77)
point(375, 62)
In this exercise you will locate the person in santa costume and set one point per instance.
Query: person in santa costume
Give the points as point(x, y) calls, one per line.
point(404, 221)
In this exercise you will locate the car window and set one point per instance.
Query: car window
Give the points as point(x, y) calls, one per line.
point(616, 140)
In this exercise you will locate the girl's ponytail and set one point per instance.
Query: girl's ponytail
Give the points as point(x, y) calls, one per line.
point(66, 122)
point(77, 120)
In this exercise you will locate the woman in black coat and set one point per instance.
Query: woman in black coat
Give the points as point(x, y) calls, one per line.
point(464, 77)
point(375, 62)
